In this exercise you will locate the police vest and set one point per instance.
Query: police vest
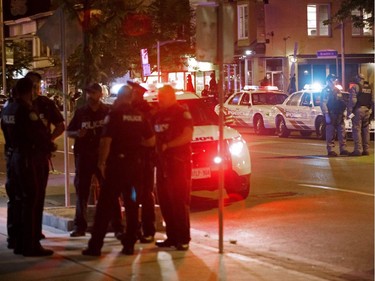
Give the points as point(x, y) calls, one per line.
point(364, 96)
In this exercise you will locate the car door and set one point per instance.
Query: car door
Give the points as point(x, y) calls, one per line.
point(291, 111)
point(306, 111)
point(234, 107)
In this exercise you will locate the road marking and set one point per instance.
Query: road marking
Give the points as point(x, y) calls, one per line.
point(337, 189)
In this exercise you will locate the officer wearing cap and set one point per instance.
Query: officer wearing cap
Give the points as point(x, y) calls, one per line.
point(26, 136)
point(86, 129)
point(174, 131)
point(147, 228)
point(125, 132)
point(333, 106)
point(361, 104)
point(53, 120)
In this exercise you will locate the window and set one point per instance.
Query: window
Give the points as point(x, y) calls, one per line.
point(316, 15)
point(294, 99)
point(235, 99)
point(243, 21)
point(361, 31)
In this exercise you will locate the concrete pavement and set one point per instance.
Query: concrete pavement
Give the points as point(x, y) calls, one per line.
point(201, 262)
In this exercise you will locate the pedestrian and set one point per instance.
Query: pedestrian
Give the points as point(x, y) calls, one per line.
point(360, 105)
point(174, 131)
point(205, 92)
point(213, 87)
point(54, 124)
point(189, 84)
point(147, 198)
point(120, 162)
point(333, 106)
point(29, 145)
point(86, 128)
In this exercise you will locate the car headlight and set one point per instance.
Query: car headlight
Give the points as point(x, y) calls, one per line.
point(236, 147)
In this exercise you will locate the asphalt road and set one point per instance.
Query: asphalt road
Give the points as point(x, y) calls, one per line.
point(305, 210)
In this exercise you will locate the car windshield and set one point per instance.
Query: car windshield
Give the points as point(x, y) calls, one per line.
point(202, 111)
point(268, 98)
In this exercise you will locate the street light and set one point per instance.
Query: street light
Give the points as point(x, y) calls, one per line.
point(158, 45)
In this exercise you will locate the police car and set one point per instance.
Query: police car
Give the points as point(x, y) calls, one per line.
point(237, 164)
point(252, 107)
point(301, 112)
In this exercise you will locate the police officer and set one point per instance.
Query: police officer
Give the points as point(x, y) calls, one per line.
point(121, 163)
point(333, 106)
point(147, 229)
point(9, 183)
point(54, 125)
point(174, 130)
point(26, 137)
point(361, 105)
point(86, 128)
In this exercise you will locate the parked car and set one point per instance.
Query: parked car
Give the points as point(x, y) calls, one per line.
point(301, 112)
point(237, 164)
point(251, 107)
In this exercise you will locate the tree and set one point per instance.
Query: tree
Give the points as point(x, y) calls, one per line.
point(22, 58)
point(345, 12)
point(116, 30)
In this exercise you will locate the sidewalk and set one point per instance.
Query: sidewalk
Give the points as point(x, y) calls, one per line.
point(201, 262)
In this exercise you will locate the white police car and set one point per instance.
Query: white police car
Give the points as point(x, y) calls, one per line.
point(237, 164)
point(301, 112)
point(252, 107)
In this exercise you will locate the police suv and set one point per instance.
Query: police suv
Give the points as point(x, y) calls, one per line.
point(301, 112)
point(252, 107)
point(237, 164)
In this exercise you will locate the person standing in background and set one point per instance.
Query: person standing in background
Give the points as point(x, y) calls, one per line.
point(333, 106)
point(361, 104)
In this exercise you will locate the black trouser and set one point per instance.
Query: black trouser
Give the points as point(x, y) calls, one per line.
point(85, 168)
point(123, 176)
point(29, 193)
point(174, 188)
point(147, 199)
point(10, 190)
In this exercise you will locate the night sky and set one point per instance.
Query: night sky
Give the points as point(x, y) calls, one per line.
point(15, 9)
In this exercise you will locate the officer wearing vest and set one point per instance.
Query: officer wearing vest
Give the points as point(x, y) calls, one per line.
point(54, 124)
point(174, 132)
point(361, 106)
point(26, 137)
point(147, 228)
point(333, 106)
point(86, 129)
point(125, 132)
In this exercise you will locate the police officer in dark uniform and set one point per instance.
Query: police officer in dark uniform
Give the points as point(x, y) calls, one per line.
point(54, 124)
point(174, 130)
point(333, 106)
point(147, 200)
point(86, 128)
point(9, 183)
point(26, 137)
point(125, 131)
point(361, 105)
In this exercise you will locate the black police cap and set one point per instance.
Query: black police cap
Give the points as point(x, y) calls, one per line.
point(137, 87)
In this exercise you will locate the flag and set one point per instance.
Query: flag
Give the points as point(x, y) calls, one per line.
point(50, 32)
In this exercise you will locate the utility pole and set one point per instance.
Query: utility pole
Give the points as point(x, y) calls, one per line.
point(3, 55)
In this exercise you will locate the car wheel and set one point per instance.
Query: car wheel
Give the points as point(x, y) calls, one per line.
point(282, 130)
point(321, 129)
point(259, 125)
point(305, 133)
point(238, 187)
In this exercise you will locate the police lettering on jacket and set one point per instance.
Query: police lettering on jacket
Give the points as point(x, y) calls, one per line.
point(92, 124)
